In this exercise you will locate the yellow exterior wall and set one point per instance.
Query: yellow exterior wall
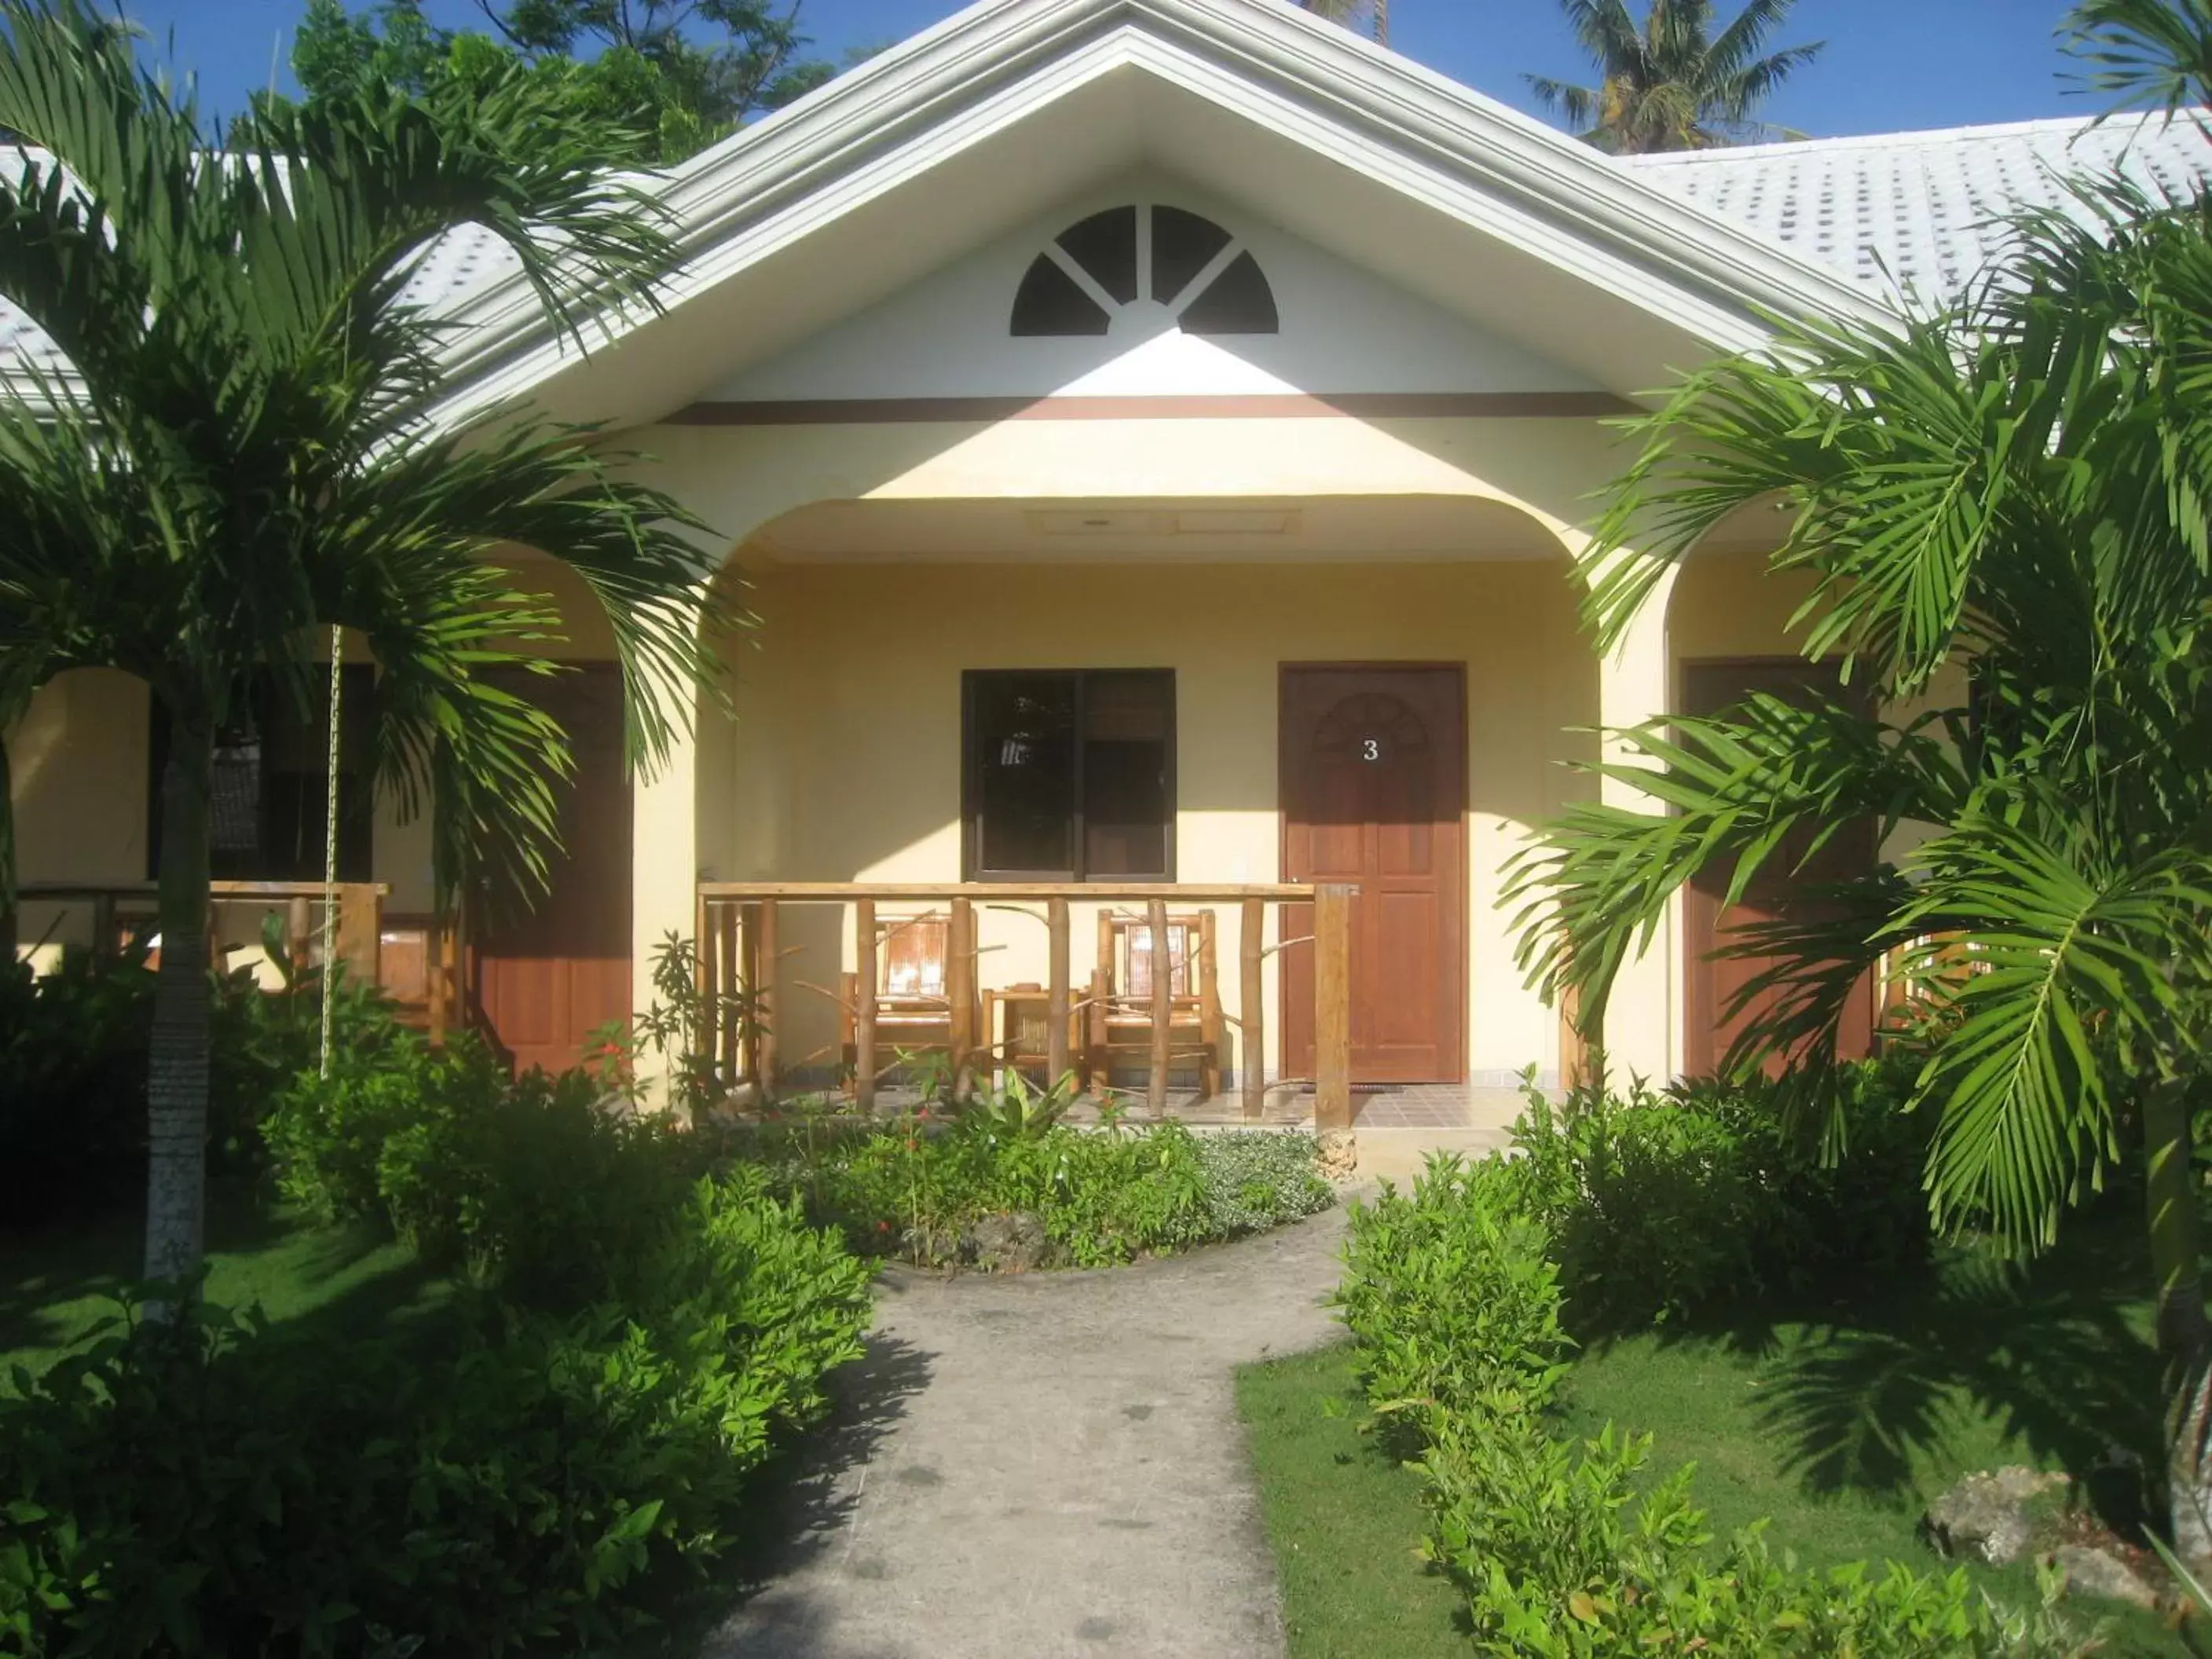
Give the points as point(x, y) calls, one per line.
point(77, 764)
point(845, 761)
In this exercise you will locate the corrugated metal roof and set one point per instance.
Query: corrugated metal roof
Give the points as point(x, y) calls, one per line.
point(1912, 211)
point(1906, 211)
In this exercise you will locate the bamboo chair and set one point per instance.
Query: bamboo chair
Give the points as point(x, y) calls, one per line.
point(1121, 996)
point(914, 1011)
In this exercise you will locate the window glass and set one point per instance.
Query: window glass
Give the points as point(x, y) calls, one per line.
point(1105, 245)
point(1238, 301)
point(1127, 721)
point(1069, 774)
point(1183, 244)
point(270, 781)
point(1024, 753)
point(1049, 303)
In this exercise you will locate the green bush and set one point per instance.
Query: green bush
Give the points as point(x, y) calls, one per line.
point(73, 1048)
point(1664, 1204)
point(543, 1183)
point(912, 1186)
point(1454, 1299)
point(510, 1479)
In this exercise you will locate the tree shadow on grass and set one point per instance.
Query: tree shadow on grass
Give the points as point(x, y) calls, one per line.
point(1867, 1382)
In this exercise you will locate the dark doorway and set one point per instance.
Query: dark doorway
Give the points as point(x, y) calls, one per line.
point(547, 978)
point(1780, 890)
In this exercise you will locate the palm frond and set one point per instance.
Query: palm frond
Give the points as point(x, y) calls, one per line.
point(1592, 889)
point(2151, 54)
point(2070, 963)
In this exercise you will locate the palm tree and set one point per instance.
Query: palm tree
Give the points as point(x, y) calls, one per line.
point(237, 457)
point(1673, 83)
point(2014, 495)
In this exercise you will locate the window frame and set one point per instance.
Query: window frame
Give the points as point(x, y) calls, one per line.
point(260, 695)
point(971, 780)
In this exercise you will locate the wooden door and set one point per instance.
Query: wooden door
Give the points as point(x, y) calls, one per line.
point(545, 979)
point(1374, 792)
point(1712, 981)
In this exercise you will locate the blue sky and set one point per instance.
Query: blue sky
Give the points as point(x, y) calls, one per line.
point(1890, 64)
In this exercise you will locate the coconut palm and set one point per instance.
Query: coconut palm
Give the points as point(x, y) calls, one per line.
point(236, 454)
point(1673, 83)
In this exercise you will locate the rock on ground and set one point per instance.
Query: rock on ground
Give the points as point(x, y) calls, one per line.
point(1048, 1464)
point(2098, 1572)
point(1993, 1516)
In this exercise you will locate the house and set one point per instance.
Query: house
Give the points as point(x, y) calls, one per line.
point(1154, 435)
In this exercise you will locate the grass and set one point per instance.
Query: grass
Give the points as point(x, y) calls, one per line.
point(1836, 1419)
point(1344, 1518)
point(58, 1283)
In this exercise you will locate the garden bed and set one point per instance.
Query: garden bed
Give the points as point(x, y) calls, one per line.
point(1785, 1326)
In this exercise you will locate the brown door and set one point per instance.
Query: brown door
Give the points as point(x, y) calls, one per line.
point(1374, 787)
point(546, 978)
point(1780, 892)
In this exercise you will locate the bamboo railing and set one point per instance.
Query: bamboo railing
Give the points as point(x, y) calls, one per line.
point(739, 959)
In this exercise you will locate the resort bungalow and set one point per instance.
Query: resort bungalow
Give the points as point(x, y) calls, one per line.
point(1155, 436)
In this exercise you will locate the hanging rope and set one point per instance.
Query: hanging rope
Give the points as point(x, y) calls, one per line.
point(331, 848)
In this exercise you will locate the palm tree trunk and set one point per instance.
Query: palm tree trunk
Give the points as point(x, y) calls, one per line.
point(177, 1068)
point(2184, 1338)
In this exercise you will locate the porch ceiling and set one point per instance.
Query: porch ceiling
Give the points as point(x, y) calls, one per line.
point(1290, 529)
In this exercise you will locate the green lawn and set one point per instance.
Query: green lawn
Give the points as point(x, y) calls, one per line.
point(1836, 1419)
point(58, 1283)
point(1344, 1518)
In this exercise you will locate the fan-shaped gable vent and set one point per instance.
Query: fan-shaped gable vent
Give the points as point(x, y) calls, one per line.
point(1098, 267)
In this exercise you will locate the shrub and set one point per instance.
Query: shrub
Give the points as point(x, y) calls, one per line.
point(1661, 1205)
point(1454, 1299)
point(912, 1186)
point(1257, 1179)
point(517, 1483)
point(541, 1182)
point(73, 1048)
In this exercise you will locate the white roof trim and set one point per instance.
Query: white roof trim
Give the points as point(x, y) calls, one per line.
point(1406, 128)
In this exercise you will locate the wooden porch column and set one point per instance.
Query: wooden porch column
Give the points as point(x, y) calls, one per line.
point(960, 993)
point(1332, 1008)
point(864, 1005)
point(1156, 1092)
point(299, 929)
point(103, 928)
point(360, 932)
point(1057, 1062)
point(766, 962)
point(1252, 1056)
point(729, 1057)
point(704, 986)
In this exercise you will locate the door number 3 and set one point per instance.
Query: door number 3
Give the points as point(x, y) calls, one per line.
point(1369, 749)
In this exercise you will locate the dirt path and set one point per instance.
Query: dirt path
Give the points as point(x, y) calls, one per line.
point(1049, 1464)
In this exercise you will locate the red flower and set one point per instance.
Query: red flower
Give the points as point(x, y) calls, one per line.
point(883, 1226)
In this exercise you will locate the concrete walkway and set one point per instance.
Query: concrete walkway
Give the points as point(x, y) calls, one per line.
point(1049, 1464)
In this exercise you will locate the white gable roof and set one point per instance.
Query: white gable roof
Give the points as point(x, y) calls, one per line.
point(1913, 210)
point(1018, 103)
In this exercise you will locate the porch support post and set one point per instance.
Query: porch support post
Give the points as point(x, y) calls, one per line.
point(863, 1004)
point(1156, 1092)
point(764, 999)
point(1643, 1034)
point(1251, 1001)
point(960, 994)
point(1055, 997)
point(1332, 914)
point(704, 987)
